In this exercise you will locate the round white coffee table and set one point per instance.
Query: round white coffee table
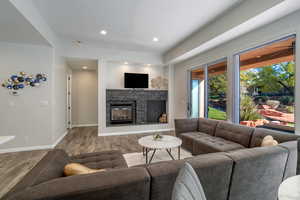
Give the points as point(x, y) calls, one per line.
point(290, 189)
point(167, 142)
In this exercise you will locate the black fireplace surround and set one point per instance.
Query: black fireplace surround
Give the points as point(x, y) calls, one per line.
point(135, 106)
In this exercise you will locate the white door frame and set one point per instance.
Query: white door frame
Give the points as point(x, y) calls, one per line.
point(69, 101)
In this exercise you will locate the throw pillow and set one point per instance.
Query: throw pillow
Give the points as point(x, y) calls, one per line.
point(187, 185)
point(76, 169)
point(268, 141)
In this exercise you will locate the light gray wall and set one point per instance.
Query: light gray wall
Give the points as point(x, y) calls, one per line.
point(115, 72)
point(59, 97)
point(84, 97)
point(283, 27)
point(28, 116)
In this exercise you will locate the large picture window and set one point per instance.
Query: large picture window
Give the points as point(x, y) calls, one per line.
point(267, 86)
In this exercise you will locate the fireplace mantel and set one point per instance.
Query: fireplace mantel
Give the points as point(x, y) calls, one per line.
point(143, 104)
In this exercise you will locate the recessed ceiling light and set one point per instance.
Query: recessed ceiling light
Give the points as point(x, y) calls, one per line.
point(84, 67)
point(155, 39)
point(148, 64)
point(103, 32)
point(125, 63)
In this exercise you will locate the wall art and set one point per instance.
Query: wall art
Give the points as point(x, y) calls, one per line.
point(18, 82)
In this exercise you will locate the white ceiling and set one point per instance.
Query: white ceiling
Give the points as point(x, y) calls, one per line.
point(15, 28)
point(131, 24)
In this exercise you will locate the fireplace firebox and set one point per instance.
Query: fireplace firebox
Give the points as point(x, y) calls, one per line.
point(121, 113)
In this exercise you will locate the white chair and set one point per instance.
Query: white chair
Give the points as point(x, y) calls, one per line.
point(187, 185)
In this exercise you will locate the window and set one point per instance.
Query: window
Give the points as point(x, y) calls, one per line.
point(267, 85)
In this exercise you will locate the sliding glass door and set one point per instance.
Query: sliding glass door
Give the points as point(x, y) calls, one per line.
point(197, 93)
point(208, 86)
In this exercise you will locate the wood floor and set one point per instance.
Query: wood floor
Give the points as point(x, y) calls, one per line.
point(13, 166)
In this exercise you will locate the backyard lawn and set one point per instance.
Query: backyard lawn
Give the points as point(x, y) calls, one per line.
point(216, 114)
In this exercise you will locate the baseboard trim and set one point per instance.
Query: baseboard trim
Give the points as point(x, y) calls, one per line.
point(135, 132)
point(83, 125)
point(32, 148)
point(60, 139)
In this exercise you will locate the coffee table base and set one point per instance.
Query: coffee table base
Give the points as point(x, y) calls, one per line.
point(147, 150)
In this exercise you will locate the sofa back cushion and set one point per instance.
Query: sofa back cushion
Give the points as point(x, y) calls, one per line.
point(257, 173)
point(116, 184)
point(260, 133)
point(213, 170)
point(207, 126)
point(292, 161)
point(234, 132)
point(185, 125)
point(54, 168)
point(50, 167)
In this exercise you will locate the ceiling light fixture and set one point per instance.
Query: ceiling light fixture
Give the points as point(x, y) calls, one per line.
point(148, 65)
point(84, 67)
point(155, 39)
point(103, 32)
point(125, 63)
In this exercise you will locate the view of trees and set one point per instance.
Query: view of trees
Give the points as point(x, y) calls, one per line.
point(272, 86)
point(217, 85)
point(263, 82)
point(270, 79)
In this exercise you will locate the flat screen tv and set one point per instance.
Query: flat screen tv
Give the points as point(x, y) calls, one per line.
point(133, 80)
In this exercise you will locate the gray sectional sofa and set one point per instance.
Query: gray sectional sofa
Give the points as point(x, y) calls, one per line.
point(201, 136)
point(228, 160)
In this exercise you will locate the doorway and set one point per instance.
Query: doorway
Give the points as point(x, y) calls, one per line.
point(82, 99)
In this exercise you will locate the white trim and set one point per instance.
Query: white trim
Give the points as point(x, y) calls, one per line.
point(135, 132)
point(31, 148)
point(17, 149)
point(69, 100)
point(83, 125)
point(4, 139)
point(60, 138)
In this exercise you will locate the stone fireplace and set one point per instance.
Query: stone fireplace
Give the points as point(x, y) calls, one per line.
point(134, 107)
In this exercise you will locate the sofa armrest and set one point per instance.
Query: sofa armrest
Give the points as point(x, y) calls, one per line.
point(119, 184)
point(185, 125)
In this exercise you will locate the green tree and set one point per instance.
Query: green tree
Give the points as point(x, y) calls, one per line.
point(217, 85)
point(279, 77)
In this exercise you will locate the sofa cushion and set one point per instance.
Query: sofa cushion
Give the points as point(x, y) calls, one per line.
point(101, 160)
point(51, 166)
point(207, 126)
point(116, 184)
point(214, 171)
point(257, 173)
point(234, 132)
point(54, 168)
point(291, 165)
point(260, 133)
point(214, 144)
point(188, 139)
point(185, 125)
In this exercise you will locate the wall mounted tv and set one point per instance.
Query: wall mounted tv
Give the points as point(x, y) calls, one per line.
point(133, 80)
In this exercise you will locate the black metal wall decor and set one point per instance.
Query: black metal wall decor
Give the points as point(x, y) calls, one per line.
point(17, 82)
